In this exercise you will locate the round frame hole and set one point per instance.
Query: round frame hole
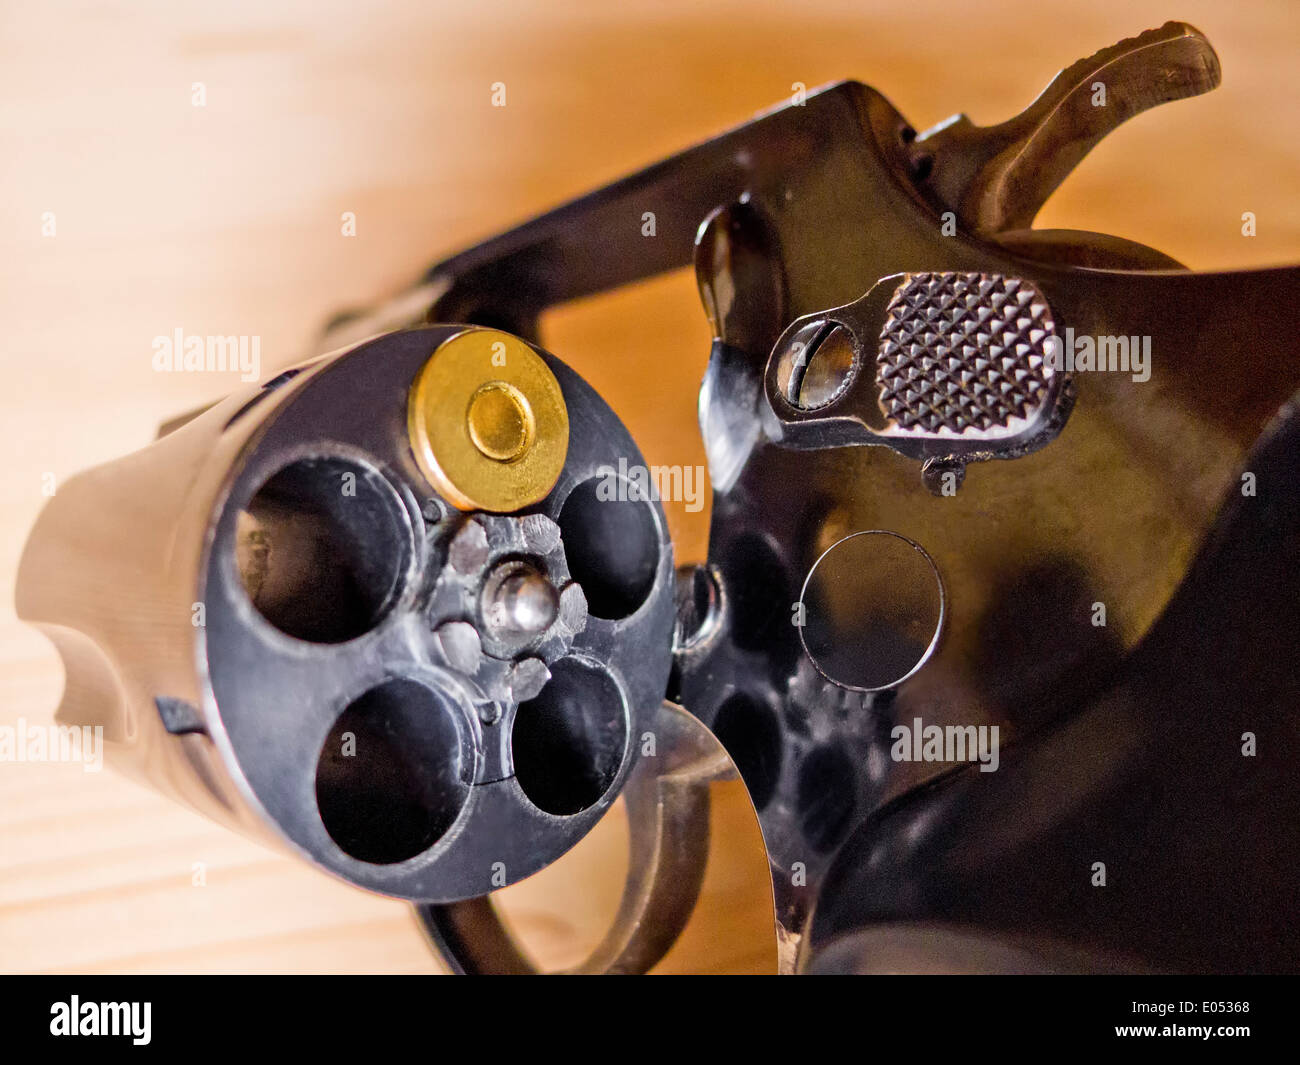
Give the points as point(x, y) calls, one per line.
point(874, 607)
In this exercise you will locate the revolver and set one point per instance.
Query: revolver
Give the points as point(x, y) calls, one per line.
point(993, 627)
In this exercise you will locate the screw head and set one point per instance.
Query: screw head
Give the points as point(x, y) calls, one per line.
point(816, 363)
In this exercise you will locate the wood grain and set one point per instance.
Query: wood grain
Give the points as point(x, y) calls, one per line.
point(225, 219)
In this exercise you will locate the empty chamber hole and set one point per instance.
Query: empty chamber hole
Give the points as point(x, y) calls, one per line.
point(825, 796)
point(569, 741)
point(760, 591)
point(611, 542)
point(321, 548)
point(750, 732)
point(388, 781)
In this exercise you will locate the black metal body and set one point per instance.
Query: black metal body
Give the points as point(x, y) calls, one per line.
point(1180, 777)
point(803, 211)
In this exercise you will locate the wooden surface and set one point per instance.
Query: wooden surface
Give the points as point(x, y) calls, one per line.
point(225, 219)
